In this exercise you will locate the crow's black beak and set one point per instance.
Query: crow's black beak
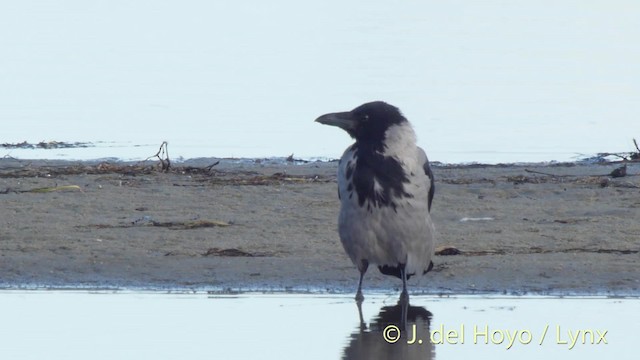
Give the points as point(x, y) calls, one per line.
point(344, 120)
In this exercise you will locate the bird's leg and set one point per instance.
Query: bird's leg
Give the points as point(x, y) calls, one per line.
point(404, 296)
point(359, 296)
point(364, 265)
point(405, 311)
point(363, 326)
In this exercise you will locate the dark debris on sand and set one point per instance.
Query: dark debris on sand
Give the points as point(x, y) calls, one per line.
point(202, 175)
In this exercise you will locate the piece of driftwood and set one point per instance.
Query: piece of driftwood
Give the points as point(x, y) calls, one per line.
point(48, 189)
point(163, 156)
point(231, 252)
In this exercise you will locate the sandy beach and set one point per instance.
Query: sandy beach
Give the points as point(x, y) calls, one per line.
point(262, 225)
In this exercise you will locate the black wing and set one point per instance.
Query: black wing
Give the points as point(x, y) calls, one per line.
point(427, 170)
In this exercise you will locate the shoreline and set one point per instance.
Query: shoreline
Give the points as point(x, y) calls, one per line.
point(268, 226)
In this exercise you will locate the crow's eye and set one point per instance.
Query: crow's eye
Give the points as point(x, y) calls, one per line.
point(365, 117)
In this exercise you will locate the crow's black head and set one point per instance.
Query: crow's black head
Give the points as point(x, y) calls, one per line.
point(366, 123)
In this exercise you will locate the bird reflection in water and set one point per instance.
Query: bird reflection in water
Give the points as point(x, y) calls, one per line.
point(397, 332)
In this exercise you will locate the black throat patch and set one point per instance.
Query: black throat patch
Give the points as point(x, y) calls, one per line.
point(370, 167)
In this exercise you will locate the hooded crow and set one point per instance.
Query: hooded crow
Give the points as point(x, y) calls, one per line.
point(385, 186)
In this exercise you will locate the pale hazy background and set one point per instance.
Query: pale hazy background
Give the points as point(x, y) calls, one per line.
point(487, 81)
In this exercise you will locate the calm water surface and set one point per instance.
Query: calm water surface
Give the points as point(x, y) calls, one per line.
point(490, 81)
point(132, 325)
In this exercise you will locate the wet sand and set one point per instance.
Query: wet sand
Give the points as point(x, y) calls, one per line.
point(271, 226)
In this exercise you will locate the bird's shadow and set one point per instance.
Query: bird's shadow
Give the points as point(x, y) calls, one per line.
point(397, 332)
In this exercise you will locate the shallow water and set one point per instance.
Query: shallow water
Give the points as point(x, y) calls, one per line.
point(149, 325)
point(495, 81)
